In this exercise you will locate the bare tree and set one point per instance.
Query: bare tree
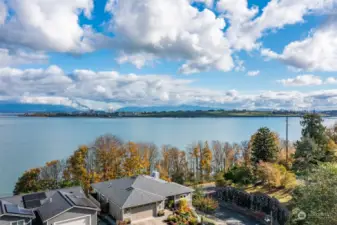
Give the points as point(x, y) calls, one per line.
point(218, 156)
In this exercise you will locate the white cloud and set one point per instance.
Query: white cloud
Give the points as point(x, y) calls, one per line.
point(3, 12)
point(145, 31)
point(247, 28)
point(331, 80)
point(110, 90)
point(8, 58)
point(302, 80)
point(317, 52)
point(47, 25)
point(253, 73)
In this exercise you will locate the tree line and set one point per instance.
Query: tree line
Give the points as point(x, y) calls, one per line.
point(308, 168)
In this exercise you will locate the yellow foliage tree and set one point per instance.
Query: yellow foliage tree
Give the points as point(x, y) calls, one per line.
point(206, 160)
point(133, 162)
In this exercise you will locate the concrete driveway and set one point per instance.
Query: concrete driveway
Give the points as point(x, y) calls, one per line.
point(152, 221)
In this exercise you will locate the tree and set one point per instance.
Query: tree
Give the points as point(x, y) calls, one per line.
point(312, 127)
point(133, 162)
point(264, 146)
point(109, 156)
point(275, 176)
point(76, 170)
point(218, 156)
point(317, 198)
point(52, 170)
point(28, 182)
point(206, 162)
point(307, 155)
point(229, 156)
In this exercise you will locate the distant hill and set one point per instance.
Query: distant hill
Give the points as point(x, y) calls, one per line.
point(26, 108)
point(164, 108)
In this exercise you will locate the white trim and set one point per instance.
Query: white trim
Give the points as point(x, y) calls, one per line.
point(57, 215)
point(76, 218)
point(11, 223)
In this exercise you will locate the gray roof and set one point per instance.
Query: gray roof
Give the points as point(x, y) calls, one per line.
point(56, 202)
point(10, 209)
point(62, 201)
point(18, 200)
point(140, 190)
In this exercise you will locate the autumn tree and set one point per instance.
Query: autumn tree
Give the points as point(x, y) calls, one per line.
point(196, 154)
point(174, 164)
point(28, 182)
point(206, 161)
point(110, 156)
point(77, 169)
point(149, 154)
point(53, 170)
point(265, 146)
point(229, 155)
point(133, 162)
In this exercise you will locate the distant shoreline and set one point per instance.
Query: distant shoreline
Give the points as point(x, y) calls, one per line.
point(172, 114)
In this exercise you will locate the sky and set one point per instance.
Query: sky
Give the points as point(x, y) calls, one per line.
point(109, 54)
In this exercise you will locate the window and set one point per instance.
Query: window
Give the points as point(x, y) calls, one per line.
point(20, 222)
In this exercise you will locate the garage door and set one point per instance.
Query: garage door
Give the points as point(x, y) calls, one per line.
point(142, 212)
point(78, 221)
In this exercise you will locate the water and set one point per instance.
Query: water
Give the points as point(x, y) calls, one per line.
point(30, 142)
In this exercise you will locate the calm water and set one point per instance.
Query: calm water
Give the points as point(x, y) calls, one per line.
point(30, 142)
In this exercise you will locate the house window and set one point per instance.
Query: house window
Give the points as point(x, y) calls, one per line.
point(20, 222)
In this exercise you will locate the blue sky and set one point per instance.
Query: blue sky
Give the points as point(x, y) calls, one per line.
point(102, 54)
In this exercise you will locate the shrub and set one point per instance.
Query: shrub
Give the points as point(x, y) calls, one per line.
point(206, 204)
point(275, 175)
point(240, 175)
point(161, 213)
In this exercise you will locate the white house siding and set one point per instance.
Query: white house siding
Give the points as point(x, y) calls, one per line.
point(72, 214)
point(6, 220)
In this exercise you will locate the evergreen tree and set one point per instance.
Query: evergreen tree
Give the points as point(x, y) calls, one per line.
point(314, 129)
point(264, 146)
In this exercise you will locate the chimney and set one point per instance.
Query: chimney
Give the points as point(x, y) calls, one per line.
point(155, 174)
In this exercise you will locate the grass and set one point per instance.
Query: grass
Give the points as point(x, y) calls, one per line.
point(283, 195)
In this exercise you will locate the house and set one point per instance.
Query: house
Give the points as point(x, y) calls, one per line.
point(58, 207)
point(12, 214)
point(139, 197)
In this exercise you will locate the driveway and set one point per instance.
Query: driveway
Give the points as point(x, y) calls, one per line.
point(152, 221)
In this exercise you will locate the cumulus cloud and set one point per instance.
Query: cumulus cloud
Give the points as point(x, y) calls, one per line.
point(317, 52)
point(302, 80)
point(253, 73)
point(110, 90)
point(331, 80)
point(9, 58)
point(247, 28)
point(51, 25)
point(3, 12)
point(144, 30)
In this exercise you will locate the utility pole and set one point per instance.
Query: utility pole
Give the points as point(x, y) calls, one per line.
point(287, 141)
